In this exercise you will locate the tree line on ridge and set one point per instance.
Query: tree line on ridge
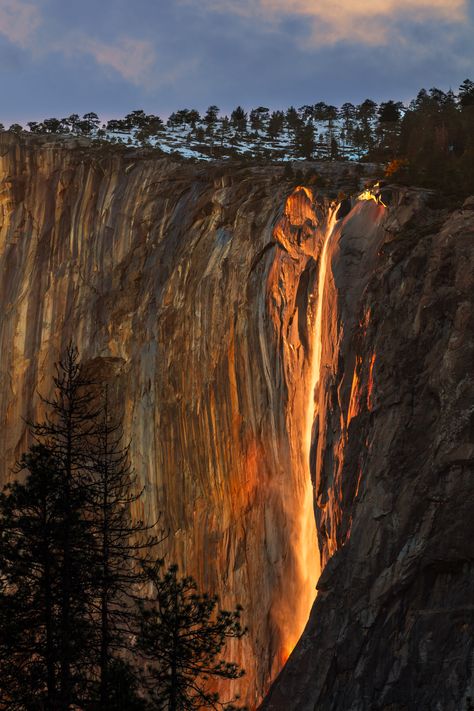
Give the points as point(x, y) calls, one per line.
point(430, 141)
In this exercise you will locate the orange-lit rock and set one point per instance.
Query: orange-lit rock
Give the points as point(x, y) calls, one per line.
point(370, 383)
point(193, 289)
point(392, 626)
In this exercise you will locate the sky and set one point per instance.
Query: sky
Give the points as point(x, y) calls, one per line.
point(59, 57)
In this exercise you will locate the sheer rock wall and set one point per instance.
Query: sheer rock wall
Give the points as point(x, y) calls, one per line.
point(186, 287)
point(194, 291)
point(393, 464)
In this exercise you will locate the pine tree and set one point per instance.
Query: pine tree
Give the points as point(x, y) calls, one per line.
point(136, 119)
point(74, 563)
point(359, 141)
point(72, 122)
point(210, 118)
point(124, 689)
point(293, 119)
point(259, 118)
point(122, 545)
point(306, 112)
point(366, 113)
point(238, 119)
point(182, 637)
point(389, 115)
point(320, 111)
point(52, 125)
point(90, 123)
point(33, 518)
point(276, 124)
point(331, 117)
point(466, 94)
point(30, 559)
point(71, 558)
point(225, 130)
point(304, 141)
point(35, 127)
point(70, 423)
point(348, 114)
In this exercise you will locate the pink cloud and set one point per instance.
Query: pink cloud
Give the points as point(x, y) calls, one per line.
point(132, 58)
point(18, 21)
point(332, 21)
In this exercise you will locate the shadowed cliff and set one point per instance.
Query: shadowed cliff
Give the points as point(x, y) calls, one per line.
point(392, 626)
point(195, 291)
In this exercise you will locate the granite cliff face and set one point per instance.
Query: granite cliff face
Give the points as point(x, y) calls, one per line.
point(393, 458)
point(257, 337)
point(187, 287)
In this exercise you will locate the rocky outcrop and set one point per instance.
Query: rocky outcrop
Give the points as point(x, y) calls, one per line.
point(257, 336)
point(392, 626)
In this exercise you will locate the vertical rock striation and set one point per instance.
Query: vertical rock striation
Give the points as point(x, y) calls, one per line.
point(191, 289)
point(393, 450)
point(195, 290)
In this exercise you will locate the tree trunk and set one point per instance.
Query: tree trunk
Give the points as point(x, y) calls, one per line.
point(65, 674)
point(49, 623)
point(104, 640)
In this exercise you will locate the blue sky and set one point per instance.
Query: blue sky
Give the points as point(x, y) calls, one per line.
point(58, 57)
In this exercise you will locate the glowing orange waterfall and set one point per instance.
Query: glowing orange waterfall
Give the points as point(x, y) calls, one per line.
point(317, 352)
point(304, 234)
point(306, 544)
point(317, 344)
point(305, 237)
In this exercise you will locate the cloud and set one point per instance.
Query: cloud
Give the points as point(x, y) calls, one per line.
point(18, 21)
point(332, 21)
point(135, 60)
point(132, 58)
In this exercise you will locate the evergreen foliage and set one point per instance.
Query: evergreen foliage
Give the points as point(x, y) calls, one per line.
point(32, 521)
point(122, 543)
point(238, 119)
point(182, 637)
point(304, 142)
point(432, 137)
point(76, 562)
point(70, 423)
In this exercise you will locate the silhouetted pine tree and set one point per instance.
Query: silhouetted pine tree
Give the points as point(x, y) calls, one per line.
point(210, 118)
point(75, 561)
point(123, 543)
point(276, 124)
point(124, 689)
point(34, 517)
point(304, 142)
point(466, 94)
point(365, 114)
point(31, 521)
point(182, 637)
point(71, 421)
point(259, 118)
point(238, 119)
point(293, 119)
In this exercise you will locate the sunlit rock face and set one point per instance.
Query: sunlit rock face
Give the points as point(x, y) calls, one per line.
point(269, 352)
point(193, 290)
point(392, 461)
